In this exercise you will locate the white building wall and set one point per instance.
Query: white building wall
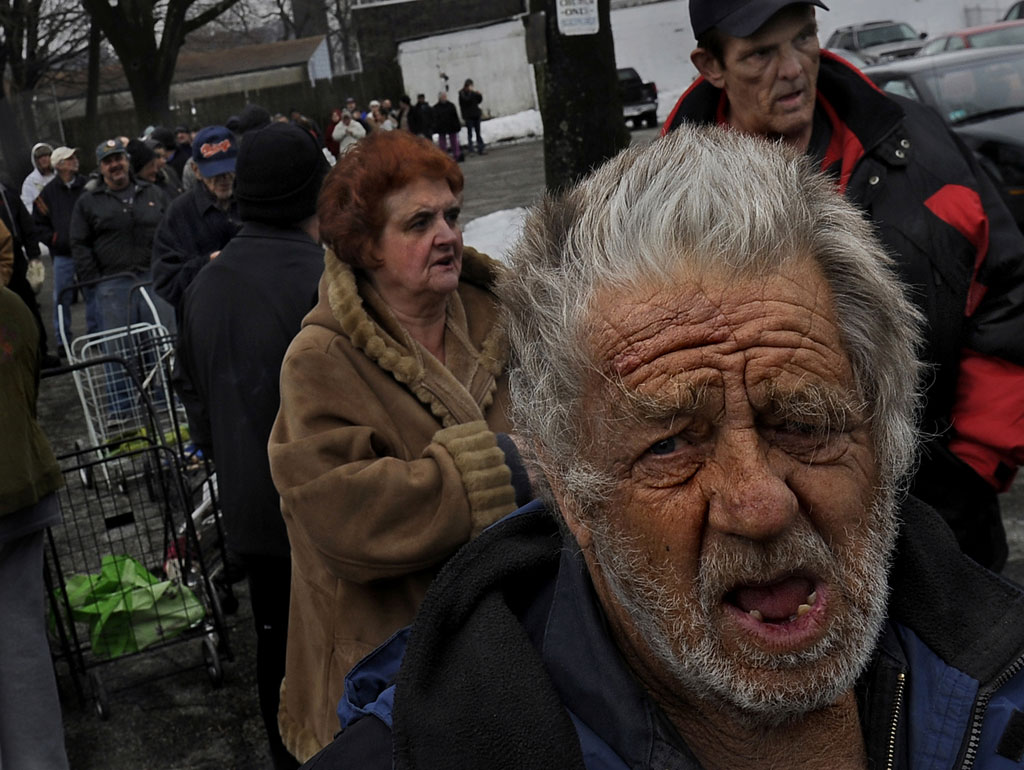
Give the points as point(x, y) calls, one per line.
point(494, 57)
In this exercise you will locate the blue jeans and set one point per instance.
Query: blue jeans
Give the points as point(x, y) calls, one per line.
point(471, 126)
point(63, 279)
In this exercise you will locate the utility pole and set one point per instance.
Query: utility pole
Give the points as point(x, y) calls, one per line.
point(570, 45)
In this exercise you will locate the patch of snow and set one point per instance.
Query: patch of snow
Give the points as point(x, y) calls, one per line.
point(522, 125)
point(495, 233)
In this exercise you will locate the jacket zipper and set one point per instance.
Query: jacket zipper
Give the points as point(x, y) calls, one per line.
point(901, 680)
point(980, 706)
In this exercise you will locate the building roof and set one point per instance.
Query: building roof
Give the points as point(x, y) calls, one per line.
point(245, 58)
point(203, 65)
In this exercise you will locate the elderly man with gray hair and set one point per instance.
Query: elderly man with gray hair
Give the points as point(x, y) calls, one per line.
point(716, 381)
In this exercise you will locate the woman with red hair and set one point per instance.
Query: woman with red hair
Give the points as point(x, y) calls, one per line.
point(385, 450)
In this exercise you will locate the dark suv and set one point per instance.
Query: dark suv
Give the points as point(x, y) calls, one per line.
point(878, 41)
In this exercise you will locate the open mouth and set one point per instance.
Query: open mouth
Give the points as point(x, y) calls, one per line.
point(788, 609)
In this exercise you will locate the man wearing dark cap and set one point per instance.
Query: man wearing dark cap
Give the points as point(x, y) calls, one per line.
point(201, 222)
point(955, 243)
point(237, 318)
point(112, 228)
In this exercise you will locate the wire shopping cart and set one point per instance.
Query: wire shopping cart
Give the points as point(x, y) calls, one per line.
point(127, 568)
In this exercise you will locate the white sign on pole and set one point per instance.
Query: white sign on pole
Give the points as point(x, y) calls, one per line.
point(578, 17)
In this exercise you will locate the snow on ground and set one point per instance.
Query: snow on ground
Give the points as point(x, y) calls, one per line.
point(494, 233)
point(522, 125)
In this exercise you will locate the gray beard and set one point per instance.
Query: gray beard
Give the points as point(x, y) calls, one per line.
point(681, 631)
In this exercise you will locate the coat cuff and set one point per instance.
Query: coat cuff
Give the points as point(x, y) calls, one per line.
point(485, 476)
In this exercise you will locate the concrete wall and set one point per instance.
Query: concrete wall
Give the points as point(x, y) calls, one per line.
point(494, 57)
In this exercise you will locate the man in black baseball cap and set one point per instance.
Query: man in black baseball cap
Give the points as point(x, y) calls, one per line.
point(738, 18)
point(939, 215)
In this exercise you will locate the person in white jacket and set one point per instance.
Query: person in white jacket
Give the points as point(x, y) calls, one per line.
point(42, 172)
point(347, 132)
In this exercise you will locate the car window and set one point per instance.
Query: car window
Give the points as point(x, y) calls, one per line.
point(933, 46)
point(978, 87)
point(1009, 35)
point(900, 87)
point(1016, 12)
point(845, 41)
point(956, 43)
point(892, 33)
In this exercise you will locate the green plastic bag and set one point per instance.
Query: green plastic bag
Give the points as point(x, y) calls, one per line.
point(128, 609)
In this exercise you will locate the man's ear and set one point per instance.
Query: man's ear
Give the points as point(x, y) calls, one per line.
point(708, 66)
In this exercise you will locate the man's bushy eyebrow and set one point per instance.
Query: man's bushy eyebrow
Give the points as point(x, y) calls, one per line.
point(688, 396)
point(829, 407)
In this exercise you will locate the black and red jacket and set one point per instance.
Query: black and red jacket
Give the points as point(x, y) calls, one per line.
point(955, 244)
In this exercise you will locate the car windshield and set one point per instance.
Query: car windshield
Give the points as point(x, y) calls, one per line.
point(893, 33)
point(975, 88)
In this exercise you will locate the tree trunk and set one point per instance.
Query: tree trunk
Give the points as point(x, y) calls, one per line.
point(579, 101)
point(92, 89)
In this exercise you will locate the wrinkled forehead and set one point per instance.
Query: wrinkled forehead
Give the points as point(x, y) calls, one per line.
point(664, 339)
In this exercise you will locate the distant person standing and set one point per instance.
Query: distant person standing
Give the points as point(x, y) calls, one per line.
point(421, 118)
point(31, 734)
point(52, 216)
point(447, 126)
point(469, 106)
point(402, 113)
point(347, 133)
point(42, 172)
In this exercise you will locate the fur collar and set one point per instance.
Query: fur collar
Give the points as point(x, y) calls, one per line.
point(386, 342)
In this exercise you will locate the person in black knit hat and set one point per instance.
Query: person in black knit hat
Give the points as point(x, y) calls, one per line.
point(237, 318)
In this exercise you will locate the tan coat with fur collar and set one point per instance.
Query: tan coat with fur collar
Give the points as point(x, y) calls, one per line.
point(386, 462)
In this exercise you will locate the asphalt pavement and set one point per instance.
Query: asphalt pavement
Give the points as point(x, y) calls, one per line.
point(164, 712)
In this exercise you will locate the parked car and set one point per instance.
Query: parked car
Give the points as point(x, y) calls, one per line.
point(1016, 11)
point(986, 36)
point(980, 93)
point(853, 58)
point(639, 99)
point(878, 41)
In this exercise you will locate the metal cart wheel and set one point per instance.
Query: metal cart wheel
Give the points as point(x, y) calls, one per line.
point(99, 693)
point(211, 658)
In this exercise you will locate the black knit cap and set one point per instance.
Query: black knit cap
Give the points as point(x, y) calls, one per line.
point(139, 154)
point(738, 18)
point(278, 175)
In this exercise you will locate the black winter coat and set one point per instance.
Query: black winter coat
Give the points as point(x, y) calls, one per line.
point(469, 104)
point(237, 319)
point(193, 228)
point(108, 236)
point(446, 118)
point(421, 119)
point(51, 213)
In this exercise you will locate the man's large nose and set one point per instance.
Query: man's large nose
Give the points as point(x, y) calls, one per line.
point(750, 498)
point(789, 63)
